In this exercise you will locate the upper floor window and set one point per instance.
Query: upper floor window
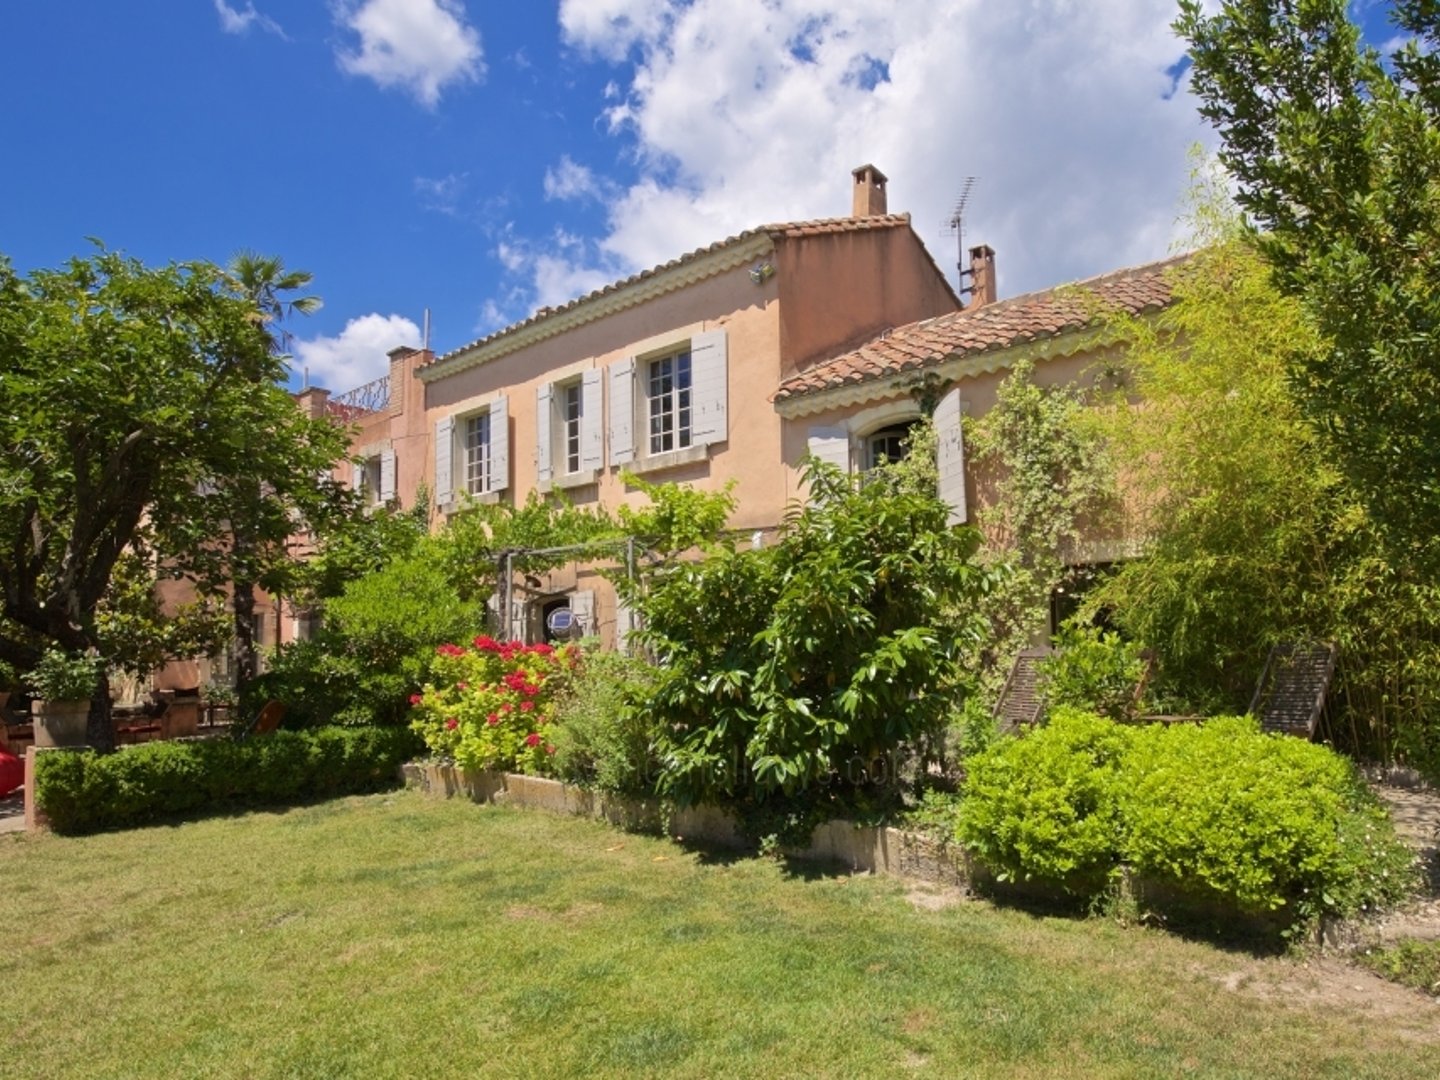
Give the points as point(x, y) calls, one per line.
point(668, 402)
point(572, 410)
point(477, 453)
point(888, 445)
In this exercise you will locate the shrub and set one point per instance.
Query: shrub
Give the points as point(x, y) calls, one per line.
point(603, 731)
point(1095, 670)
point(1263, 821)
point(62, 676)
point(489, 705)
point(82, 791)
point(1043, 806)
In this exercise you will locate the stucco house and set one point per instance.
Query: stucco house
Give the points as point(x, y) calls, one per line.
point(726, 365)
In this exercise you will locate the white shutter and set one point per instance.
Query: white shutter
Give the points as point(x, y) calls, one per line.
point(582, 607)
point(500, 444)
point(622, 412)
point(709, 388)
point(444, 461)
point(357, 475)
point(832, 445)
point(387, 476)
point(592, 437)
point(517, 620)
point(543, 470)
point(950, 456)
point(624, 623)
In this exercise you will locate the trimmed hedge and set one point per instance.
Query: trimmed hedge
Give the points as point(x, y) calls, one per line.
point(84, 791)
point(1218, 814)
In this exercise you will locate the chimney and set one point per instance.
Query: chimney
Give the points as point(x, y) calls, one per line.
point(982, 276)
point(314, 402)
point(869, 192)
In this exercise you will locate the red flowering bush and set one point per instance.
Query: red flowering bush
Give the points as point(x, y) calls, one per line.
point(490, 703)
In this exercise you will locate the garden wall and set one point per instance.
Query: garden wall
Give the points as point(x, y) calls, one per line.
point(859, 848)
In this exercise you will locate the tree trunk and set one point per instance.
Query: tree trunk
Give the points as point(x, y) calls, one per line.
point(99, 727)
point(246, 662)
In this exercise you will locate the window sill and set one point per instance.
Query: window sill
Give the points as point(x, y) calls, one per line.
point(455, 505)
point(583, 478)
point(657, 462)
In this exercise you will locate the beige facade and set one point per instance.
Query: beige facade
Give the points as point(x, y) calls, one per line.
point(723, 367)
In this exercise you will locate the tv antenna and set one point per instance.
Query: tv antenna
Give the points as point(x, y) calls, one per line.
point(954, 226)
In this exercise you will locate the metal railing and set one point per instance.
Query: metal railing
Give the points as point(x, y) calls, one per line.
point(372, 397)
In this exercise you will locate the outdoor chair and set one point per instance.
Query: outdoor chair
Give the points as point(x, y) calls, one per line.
point(1291, 693)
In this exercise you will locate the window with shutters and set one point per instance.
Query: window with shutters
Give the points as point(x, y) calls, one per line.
point(478, 458)
point(572, 410)
point(888, 445)
point(668, 402)
point(370, 481)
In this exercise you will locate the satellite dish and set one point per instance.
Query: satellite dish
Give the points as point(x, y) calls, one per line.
point(560, 621)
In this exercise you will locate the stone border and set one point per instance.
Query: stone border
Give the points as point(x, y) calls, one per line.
point(861, 848)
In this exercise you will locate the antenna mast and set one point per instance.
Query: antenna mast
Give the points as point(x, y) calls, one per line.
point(954, 226)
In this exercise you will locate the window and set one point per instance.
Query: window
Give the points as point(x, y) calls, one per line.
point(668, 401)
point(572, 409)
point(888, 445)
point(370, 483)
point(477, 453)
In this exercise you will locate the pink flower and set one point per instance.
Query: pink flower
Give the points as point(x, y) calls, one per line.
point(530, 688)
point(415, 699)
point(462, 686)
point(549, 748)
point(451, 724)
point(493, 719)
point(505, 707)
point(527, 706)
point(532, 739)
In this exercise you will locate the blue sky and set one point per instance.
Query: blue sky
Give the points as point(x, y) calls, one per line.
point(482, 159)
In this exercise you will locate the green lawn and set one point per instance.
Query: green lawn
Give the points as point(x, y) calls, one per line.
point(398, 936)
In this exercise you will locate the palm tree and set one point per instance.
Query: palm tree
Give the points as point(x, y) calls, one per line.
point(265, 282)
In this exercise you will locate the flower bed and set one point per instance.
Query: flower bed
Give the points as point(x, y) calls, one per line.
point(490, 703)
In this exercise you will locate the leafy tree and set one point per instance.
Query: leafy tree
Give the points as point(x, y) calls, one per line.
point(1334, 152)
point(127, 395)
point(807, 668)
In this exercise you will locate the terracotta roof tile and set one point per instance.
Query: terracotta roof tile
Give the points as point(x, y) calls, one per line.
point(999, 325)
point(784, 229)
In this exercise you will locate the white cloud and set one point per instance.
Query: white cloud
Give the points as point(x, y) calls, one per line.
point(739, 112)
point(442, 194)
point(420, 46)
point(357, 354)
point(570, 180)
point(238, 21)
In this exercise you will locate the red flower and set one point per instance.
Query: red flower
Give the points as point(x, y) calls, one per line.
point(462, 686)
point(486, 643)
point(493, 719)
point(450, 650)
point(505, 707)
point(527, 706)
point(532, 739)
point(549, 748)
point(451, 724)
point(542, 649)
point(415, 699)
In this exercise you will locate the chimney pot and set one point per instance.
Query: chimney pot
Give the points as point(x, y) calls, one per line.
point(869, 198)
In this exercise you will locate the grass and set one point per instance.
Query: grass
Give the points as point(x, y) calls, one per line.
point(1415, 964)
point(395, 936)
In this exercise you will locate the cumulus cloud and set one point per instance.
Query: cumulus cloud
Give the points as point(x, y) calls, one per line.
point(420, 46)
point(357, 354)
point(239, 21)
point(739, 112)
point(569, 180)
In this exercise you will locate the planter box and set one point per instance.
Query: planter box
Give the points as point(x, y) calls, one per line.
point(180, 719)
point(61, 723)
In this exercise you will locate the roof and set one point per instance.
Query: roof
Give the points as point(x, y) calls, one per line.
point(778, 231)
point(990, 328)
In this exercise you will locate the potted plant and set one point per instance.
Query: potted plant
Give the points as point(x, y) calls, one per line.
point(64, 682)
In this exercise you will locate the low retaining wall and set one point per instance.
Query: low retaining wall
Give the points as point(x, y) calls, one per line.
point(860, 848)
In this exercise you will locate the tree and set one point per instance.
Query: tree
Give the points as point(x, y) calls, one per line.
point(128, 395)
point(260, 524)
point(1334, 153)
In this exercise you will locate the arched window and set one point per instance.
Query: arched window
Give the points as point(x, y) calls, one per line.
point(888, 445)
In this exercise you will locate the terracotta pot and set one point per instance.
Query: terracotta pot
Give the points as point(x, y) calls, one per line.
point(61, 723)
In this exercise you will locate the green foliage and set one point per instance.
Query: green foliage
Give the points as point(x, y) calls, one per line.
point(85, 791)
point(62, 676)
point(1414, 963)
point(1264, 821)
point(602, 730)
point(131, 397)
point(1095, 670)
point(819, 661)
point(362, 544)
point(1333, 150)
point(679, 518)
point(1043, 807)
point(972, 729)
point(374, 649)
point(1051, 477)
point(489, 706)
point(138, 637)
